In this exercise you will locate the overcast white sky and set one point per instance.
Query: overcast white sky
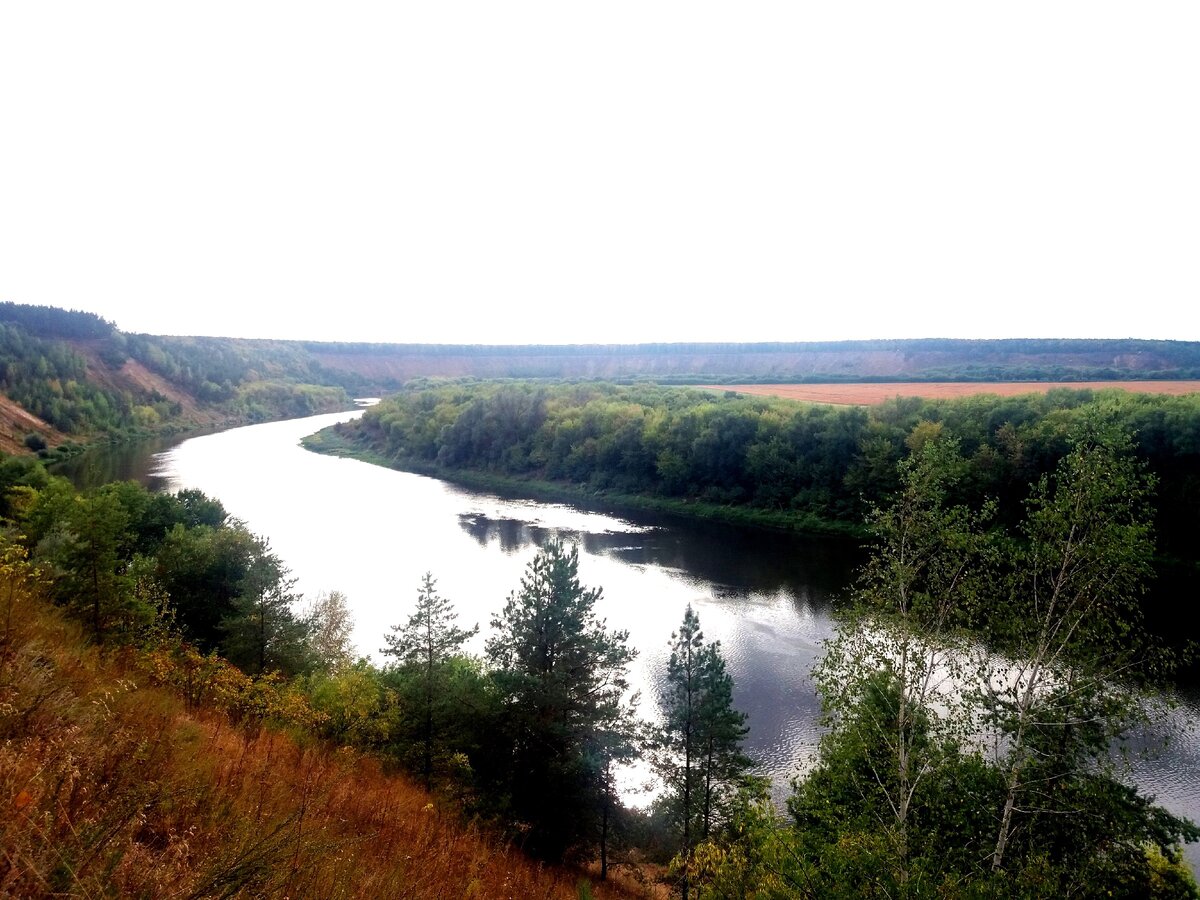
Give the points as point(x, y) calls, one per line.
point(621, 171)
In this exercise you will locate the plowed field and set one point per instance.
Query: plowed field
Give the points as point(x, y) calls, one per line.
point(863, 394)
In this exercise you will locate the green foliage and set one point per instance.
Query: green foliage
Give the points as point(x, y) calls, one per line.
point(903, 802)
point(260, 401)
point(356, 704)
point(83, 549)
point(41, 369)
point(561, 679)
point(262, 631)
point(425, 647)
point(699, 746)
point(50, 379)
point(253, 374)
point(1073, 630)
point(54, 322)
point(113, 550)
point(462, 721)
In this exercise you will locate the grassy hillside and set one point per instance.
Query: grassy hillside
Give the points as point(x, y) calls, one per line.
point(113, 785)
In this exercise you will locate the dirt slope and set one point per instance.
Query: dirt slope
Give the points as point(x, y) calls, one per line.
point(134, 377)
point(16, 422)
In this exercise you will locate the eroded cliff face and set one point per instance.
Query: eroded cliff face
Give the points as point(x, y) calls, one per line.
point(16, 423)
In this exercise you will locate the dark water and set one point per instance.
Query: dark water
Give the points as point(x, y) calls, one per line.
point(372, 532)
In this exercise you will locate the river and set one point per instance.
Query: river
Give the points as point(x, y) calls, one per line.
point(372, 532)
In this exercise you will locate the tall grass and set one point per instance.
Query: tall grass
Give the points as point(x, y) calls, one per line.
point(112, 784)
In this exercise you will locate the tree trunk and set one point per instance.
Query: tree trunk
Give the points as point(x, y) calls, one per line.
point(95, 596)
point(687, 781)
point(708, 772)
point(262, 634)
point(427, 762)
point(604, 841)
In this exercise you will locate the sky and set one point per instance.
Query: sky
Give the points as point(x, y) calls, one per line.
point(561, 172)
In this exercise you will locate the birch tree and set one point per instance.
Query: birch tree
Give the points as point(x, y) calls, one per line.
point(894, 674)
point(1073, 646)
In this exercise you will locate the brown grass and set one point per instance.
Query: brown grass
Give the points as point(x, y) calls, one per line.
point(110, 786)
point(869, 394)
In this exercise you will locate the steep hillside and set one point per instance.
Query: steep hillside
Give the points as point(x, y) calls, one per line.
point(116, 780)
point(17, 423)
point(72, 376)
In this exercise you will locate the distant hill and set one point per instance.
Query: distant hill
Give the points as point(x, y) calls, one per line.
point(385, 365)
point(68, 374)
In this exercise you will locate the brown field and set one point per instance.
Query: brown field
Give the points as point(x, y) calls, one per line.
point(864, 394)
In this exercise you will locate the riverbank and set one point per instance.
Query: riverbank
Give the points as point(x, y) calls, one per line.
point(331, 443)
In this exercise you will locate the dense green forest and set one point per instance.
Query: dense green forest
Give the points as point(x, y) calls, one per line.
point(902, 800)
point(791, 464)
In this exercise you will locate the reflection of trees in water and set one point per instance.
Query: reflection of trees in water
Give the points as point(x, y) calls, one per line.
point(513, 534)
point(736, 561)
point(127, 462)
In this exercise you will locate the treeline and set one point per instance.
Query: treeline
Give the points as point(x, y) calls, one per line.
point(812, 466)
point(50, 321)
point(392, 365)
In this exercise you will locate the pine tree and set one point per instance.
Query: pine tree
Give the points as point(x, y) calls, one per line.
point(425, 644)
point(263, 633)
point(700, 756)
point(721, 731)
point(562, 679)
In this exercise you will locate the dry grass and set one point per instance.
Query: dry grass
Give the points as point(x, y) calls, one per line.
point(111, 786)
point(864, 394)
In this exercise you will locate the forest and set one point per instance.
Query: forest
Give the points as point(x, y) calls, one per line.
point(808, 466)
point(528, 740)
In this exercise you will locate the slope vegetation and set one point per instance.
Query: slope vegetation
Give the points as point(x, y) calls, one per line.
point(68, 375)
point(111, 784)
